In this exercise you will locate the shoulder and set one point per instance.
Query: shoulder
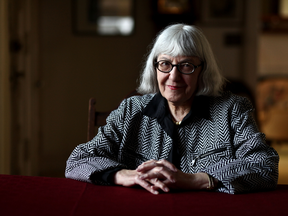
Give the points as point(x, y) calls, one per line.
point(139, 101)
point(135, 103)
point(228, 99)
point(231, 106)
point(129, 111)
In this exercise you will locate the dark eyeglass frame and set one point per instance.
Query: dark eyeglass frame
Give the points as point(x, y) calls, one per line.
point(177, 66)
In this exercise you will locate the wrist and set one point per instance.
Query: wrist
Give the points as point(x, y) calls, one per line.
point(212, 182)
point(198, 181)
point(117, 177)
point(125, 177)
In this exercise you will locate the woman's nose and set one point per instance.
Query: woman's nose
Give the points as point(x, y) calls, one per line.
point(174, 74)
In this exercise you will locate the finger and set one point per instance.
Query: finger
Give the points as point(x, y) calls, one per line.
point(148, 165)
point(167, 164)
point(160, 173)
point(157, 184)
point(146, 185)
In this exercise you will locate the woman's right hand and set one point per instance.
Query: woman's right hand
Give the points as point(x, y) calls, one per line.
point(162, 175)
point(129, 178)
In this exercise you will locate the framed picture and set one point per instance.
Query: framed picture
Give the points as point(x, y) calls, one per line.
point(274, 16)
point(272, 107)
point(173, 7)
point(166, 12)
point(222, 12)
point(103, 17)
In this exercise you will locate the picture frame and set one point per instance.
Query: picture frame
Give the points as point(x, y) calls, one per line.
point(222, 12)
point(165, 12)
point(173, 7)
point(103, 17)
point(274, 16)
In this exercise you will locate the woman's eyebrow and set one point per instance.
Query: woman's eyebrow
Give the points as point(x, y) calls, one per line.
point(164, 58)
point(181, 61)
point(186, 60)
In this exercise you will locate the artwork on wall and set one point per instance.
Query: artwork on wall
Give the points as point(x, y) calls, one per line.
point(274, 14)
point(272, 107)
point(222, 12)
point(166, 12)
point(103, 17)
point(173, 6)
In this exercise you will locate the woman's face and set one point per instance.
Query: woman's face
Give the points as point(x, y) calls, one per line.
point(176, 87)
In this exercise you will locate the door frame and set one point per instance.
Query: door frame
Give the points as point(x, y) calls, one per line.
point(30, 137)
point(5, 114)
point(23, 146)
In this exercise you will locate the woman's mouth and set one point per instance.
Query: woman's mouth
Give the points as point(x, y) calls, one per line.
point(173, 87)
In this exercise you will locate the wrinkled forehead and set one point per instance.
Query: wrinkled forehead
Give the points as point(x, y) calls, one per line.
point(176, 49)
point(179, 58)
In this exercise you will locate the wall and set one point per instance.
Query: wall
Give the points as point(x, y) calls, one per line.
point(228, 57)
point(273, 52)
point(237, 57)
point(75, 68)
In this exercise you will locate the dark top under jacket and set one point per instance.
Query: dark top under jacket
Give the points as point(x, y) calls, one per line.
point(219, 136)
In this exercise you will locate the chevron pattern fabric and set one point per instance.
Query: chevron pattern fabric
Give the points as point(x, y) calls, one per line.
point(227, 144)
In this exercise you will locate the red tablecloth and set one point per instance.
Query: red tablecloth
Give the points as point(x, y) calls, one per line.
point(23, 195)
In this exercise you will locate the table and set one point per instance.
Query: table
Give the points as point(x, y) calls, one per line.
point(24, 195)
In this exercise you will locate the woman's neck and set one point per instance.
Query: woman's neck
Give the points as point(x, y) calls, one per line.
point(178, 112)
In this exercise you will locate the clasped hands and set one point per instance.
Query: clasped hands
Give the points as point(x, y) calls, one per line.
point(155, 176)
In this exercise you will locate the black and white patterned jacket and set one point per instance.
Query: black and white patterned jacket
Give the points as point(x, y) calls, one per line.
point(219, 137)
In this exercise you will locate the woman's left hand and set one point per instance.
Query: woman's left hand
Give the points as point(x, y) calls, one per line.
point(162, 172)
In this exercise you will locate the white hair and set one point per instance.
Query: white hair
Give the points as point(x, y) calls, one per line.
point(183, 40)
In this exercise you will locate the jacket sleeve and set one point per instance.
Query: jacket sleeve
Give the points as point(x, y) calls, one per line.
point(100, 154)
point(254, 165)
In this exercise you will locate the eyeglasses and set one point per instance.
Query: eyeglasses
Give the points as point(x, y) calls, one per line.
point(184, 68)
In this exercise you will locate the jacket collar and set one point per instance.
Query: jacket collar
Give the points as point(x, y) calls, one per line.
point(158, 108)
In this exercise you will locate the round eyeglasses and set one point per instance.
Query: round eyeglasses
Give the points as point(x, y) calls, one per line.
point(184, 68)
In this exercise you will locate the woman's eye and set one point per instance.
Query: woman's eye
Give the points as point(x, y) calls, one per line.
point(165, 63)
point(186, 65)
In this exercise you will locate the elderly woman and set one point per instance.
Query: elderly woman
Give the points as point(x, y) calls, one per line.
point(183, 133)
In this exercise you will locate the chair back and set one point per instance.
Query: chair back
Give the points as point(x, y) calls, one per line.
point(97, 119)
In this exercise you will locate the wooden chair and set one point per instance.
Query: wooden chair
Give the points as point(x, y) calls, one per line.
point(97, 119)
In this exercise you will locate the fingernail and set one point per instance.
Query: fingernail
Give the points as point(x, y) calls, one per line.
point(156, 192)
